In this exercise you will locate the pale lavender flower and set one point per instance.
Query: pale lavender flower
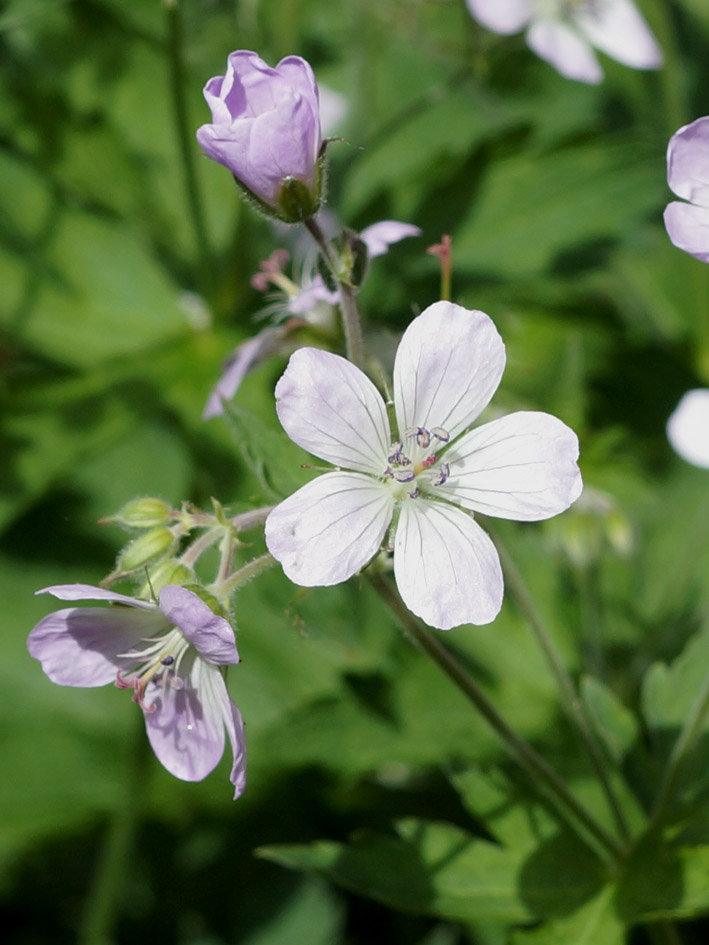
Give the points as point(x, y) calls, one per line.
point(562, 32)
point(266, 129)
point(310, 301)
point(428, 478)
point(688, 428)
point(688, 176)
point(169, 655)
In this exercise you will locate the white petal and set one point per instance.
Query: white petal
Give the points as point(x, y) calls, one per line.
point(521, 467)
point(380, 236)
point(617, 29)
point(326, 531)
point(688, 227)
point(331, 409)
point(688, 162)
point(501, 16)
point(565, 50)
point(89, 592)
point(446, 567)
point(688, 428)
point(447, 368)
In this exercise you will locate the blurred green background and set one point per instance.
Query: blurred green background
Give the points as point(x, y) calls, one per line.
point(122, 291)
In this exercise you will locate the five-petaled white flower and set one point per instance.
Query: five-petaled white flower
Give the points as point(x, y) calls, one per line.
point(562, 32)
point(428, 479)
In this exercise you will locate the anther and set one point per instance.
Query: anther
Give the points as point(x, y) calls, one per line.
point(404, 475)
point(440, 434)
point(421, 435)
point(167, 660)
point(442, 473)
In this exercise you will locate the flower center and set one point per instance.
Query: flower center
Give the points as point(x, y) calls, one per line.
point(157, 663)
point(413, 463)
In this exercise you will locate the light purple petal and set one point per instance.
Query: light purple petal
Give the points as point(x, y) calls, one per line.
point(688, 428)
point(330, 528)
point(379, 236)
point(331, 409)
point(447, 368)
point(211, 635)
point(79, 646)
point(299, 76)
point(89, 592)
point(688, 162)
point(310, 295)
point(447, 569)
point(186, 726)
point(235, 730)
point(521, 467)
point(687, 226)
point(247, 356)
point(617, 28)
point(501, 16)
point(565, 50)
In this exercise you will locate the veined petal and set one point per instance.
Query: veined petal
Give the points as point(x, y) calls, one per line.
point(380, 236)
point(247, 355)
point(331, 409)
point(687, 226)
point(330, 528)
point(235, 730)
point(501, 16)
point(185, 726)
point(565, 50)
point(89, 592)
point(79, 646)
point(447, 569)
point(522, 467)
point(617, 28)
point(447, 368)
point(688, 428)
point(210, 635)
point(688, 162)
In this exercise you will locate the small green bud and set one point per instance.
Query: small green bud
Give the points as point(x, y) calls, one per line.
point(296, 201)
point(209, 599)
point(147, 512)
point(153, 544)
point(170, 571)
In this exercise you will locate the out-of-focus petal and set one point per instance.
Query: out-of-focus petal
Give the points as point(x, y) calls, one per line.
point(247, 356)
point(331, 409)
point(617, 28)
point(186, 726)
point(688, 162)
point(79, 646)
point(212, 636)
point(330, 528)
point(688, 227)
point(310, 295)
point(235, 730)
point(501, 16)
point(89, 592)
point(565, 50)
point(688, 428)
point(447, 368)
point(380, 236)
point(521, 467)
point(447, 569)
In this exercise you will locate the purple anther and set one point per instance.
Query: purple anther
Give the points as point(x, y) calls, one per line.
point(167, 660)
point(397, 455)
point(421, 435)
point(440, 434)
point(429, 460)
point(414, 494)
point(404, 475)
point(442, 473)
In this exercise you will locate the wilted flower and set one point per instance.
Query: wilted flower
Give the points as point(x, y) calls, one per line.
point(309, 301)
point(688, 428)
point(562, 32)
point(266, 129)
point(169, 655)
point(688, 176)
point(428, 478)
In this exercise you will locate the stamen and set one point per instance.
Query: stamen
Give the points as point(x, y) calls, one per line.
point(403, 475)
point(421, 435)
point(440, 434)
point(441, 474)
point(167, 660)
point(414, 494)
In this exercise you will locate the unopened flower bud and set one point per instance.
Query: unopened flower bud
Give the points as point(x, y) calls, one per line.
point(170, 571)
point(147, 512)
point(153, 544)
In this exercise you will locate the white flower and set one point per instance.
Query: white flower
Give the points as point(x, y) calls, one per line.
point(428, 479)
point(562, 32)
point(688, 176)
point(688, 428)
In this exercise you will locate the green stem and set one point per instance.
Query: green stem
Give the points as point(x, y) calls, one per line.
point(535, 766)
point(186, 143)
point(104, 897)
point(692, 727)
point(351, 325)
point(192, 554)
point(226, 588)
point(569, 697)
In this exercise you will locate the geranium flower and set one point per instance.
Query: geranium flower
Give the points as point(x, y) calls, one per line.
point(428, 478)
point(266, 129)
point(562, 32)
point(310, 302)
point(688, 428)
point(688, 176)
point(169, 655)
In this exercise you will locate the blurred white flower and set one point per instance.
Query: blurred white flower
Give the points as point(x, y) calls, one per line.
point(688, 428)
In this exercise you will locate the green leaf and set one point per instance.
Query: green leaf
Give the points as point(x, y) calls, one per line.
point(669, 693)
point(615, 725)
point(595, 923)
